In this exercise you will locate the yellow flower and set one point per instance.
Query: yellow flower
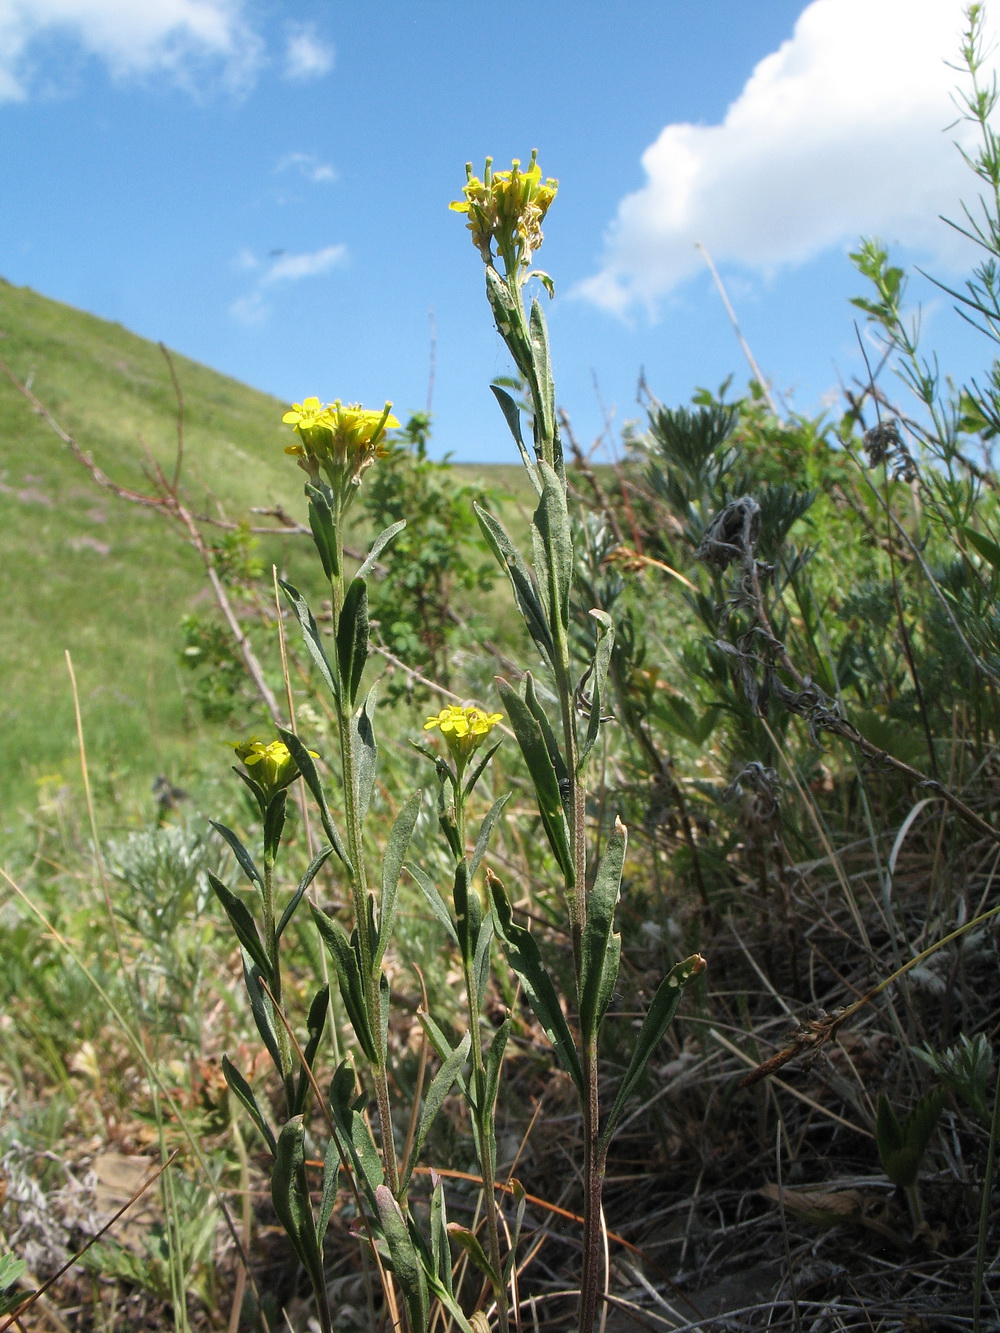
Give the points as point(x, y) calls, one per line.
point(270, 765)
point(464, 729)
point(507, 207)
point(343, 440)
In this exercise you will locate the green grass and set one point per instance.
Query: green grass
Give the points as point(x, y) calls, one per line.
point(108, 580)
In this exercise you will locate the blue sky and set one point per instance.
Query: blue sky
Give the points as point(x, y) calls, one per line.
point(264, 186)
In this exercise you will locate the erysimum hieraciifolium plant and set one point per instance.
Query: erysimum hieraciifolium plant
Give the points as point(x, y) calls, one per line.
point(505, 210)
point(335, 446)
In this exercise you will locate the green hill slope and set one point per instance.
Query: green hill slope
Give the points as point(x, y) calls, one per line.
point(105, 579)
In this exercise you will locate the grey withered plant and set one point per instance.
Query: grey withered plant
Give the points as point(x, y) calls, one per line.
point(505, 210)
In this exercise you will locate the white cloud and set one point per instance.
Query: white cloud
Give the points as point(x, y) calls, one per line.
point(184, 39)
point(306, 55)
point(839, 132)
point(320, 173)
point(292, 268)
point(253, 309)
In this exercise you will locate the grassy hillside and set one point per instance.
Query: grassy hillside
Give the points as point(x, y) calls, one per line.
point(108, 580)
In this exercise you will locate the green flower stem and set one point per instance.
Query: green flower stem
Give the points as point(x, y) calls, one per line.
point(484, 1120)
point(576, 893)
point(271, 945)
point(359, 881)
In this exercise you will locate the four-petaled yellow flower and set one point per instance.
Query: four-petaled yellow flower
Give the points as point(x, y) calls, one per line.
point(464, 729)
point(270, 765)
point(344, 441)
point(507, 207)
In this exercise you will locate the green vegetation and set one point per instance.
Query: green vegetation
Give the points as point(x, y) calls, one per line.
point(707, 940)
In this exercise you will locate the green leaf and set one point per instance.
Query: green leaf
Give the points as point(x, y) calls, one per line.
point(403, 1254)
point(512, 415)
point(348, 964)
point(244, 927)
point(543, 775)
point(352, 639)
point(315, 1023)
point(366, 750)
point(241, 854)
point(486, 831)
point(434, 900)
point(523, 956)
point(548, 735)
point(478, 768)
point(313, 869)
point(659, 1016)
point(356, 1137)
point(601, 948)
point(440, 1249)
point(378, 546)
point(244, 1093)
point(310, 776)
point(597, 679)
point(324, 534)
point(542, 362)
point(988, 549)
point(274, 822)
point(521, 581)
point(441, 1085)
point(902, 1146)
point(481, 958)
point(331, 1180)
point(263, 1012)
point(392, 864)
point(494, 1064)
point(552, 539)
point(290, 1196)
point(442, 1046)
point(470, 1244)
point(520, 1198)
point(312, 637)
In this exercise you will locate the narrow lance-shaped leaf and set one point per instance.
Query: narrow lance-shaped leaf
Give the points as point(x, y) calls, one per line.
point(355, 1136)
point(324, 535)
point(658, 1018)
point(441, 1085)
point(494, 1064)
point(263, 1012)
point(240, 852)
point(545, 422)
point(470, 1244)
point(312, 870)
point(352, 639)
point(274, 821)
point(521, 581)
point(543, 776)
point(315, 1023)
point(486, 832)
point(244, 927)
point(601, 947)
point(290, 1196)
point(597, 679)
point(331, 1180)
point(362, 725)
point(403, 1254)
point(548, 735)
point(392, 864)
point(311, 635)
point(523, 956)
point(512, 415)
point(378, 546)
point(434, 900)
point(348, 965)
point(477, 769)
point(245, 1094)
point(310, 776)
point(551, 522)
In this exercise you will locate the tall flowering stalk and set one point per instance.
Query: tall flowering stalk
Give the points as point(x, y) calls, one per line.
point(466, 730)
point(505, 210)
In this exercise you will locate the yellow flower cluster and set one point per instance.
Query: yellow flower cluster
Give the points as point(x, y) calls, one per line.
point(271, 765)
point(343, 440)
point(464, 729)
point(507, 207)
